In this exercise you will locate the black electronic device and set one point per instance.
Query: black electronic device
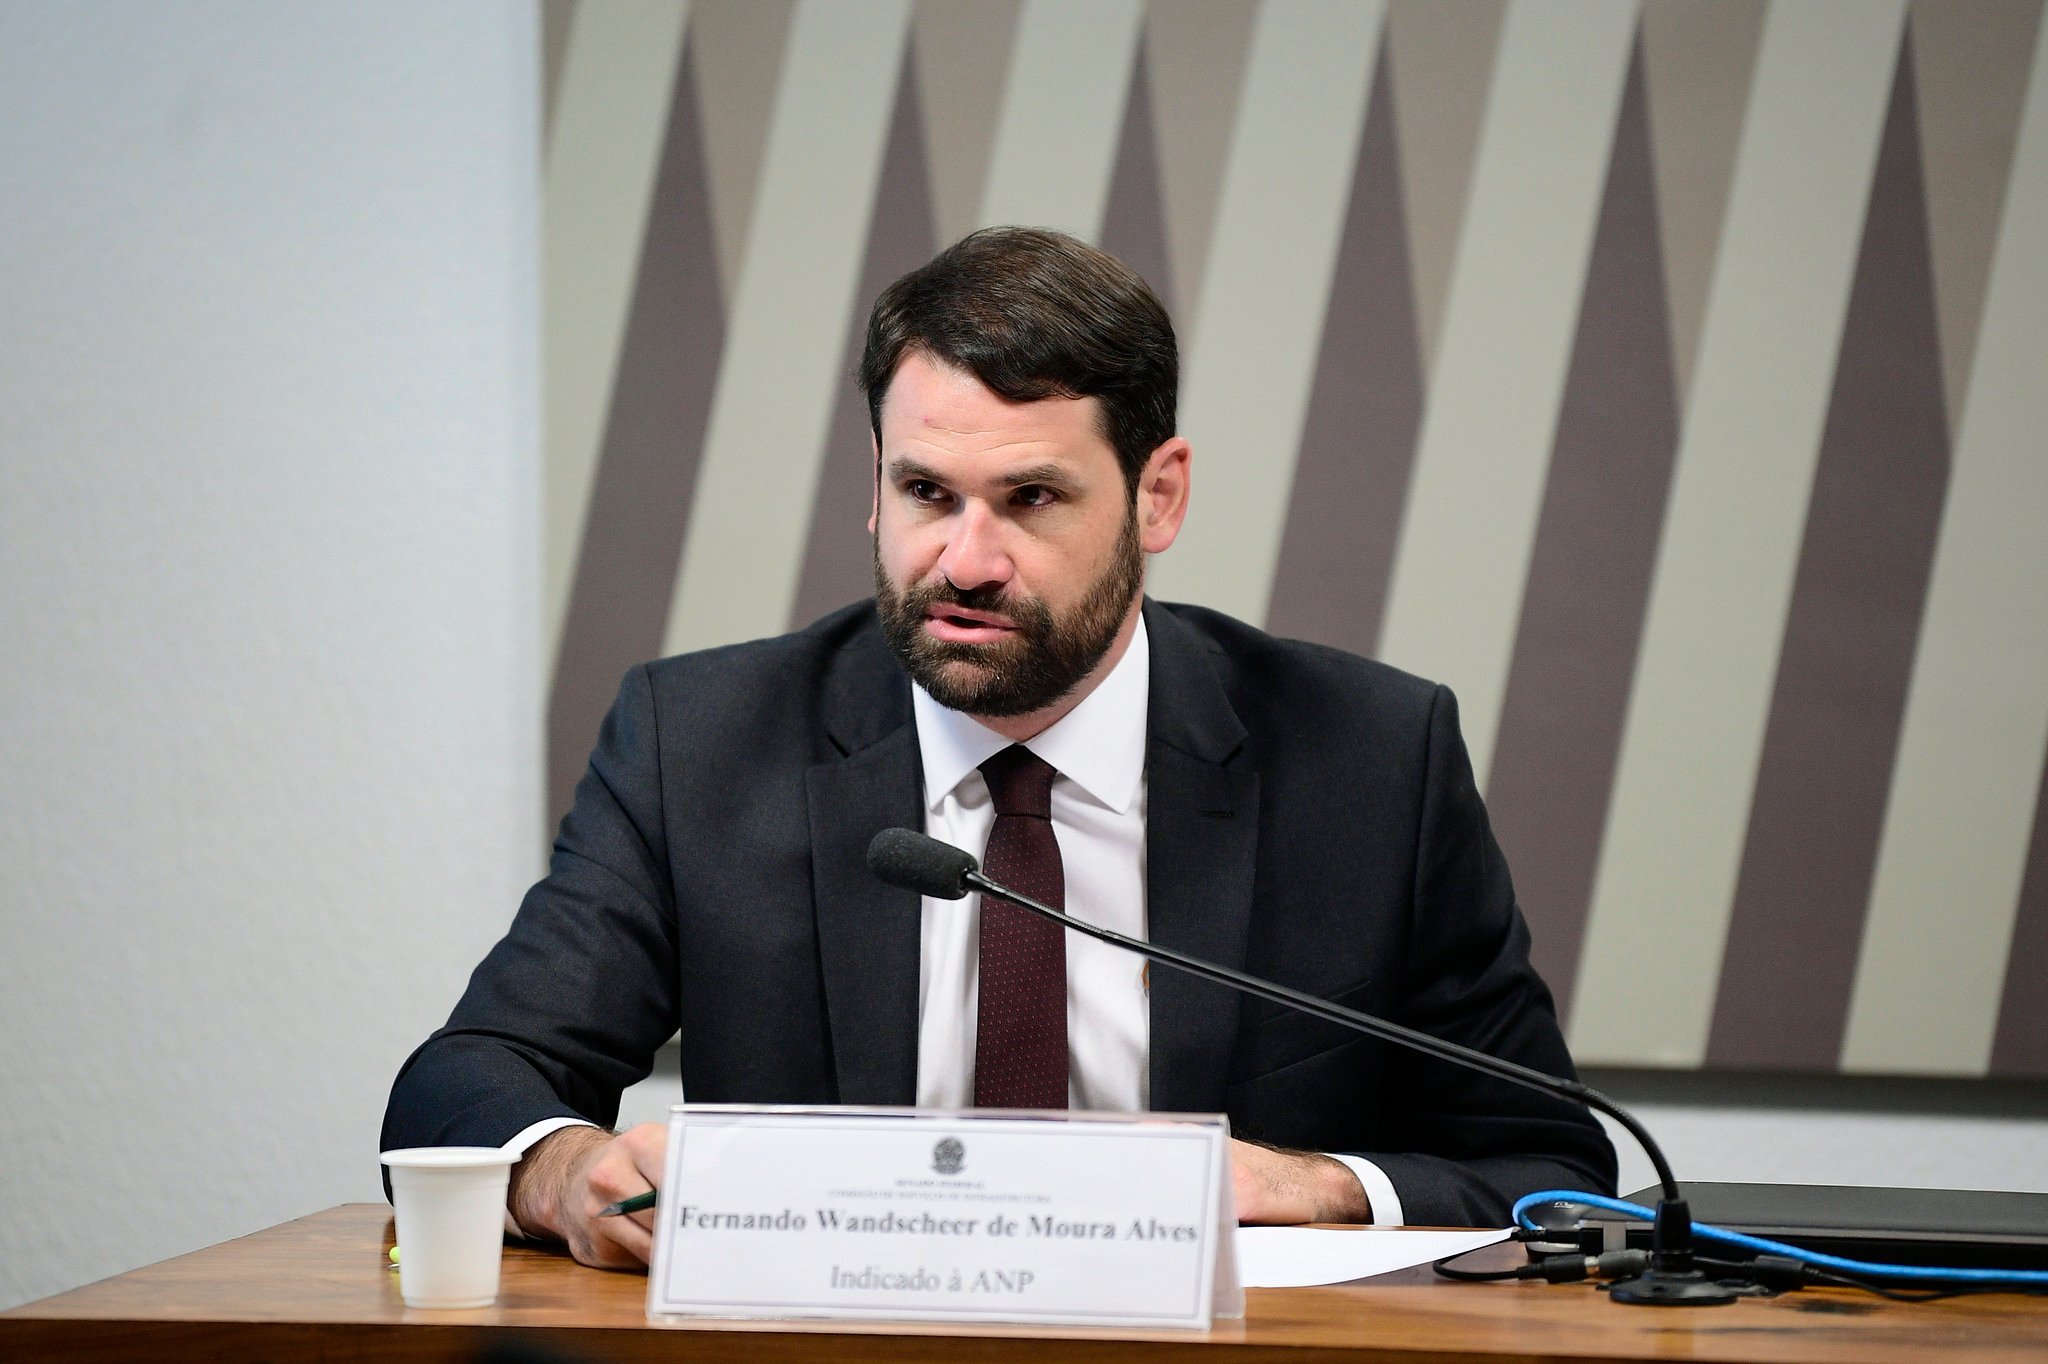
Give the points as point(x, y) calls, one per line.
point(1966, 1228)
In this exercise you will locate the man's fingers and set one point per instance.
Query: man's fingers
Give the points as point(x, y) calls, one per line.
point(604, 1248)
point(630, 1164)
point(624, 1167)
point(634, 1240)
point(647, 1146)
point(614, 1243)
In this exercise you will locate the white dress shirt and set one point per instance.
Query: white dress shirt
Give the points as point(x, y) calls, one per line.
point(1098, 818)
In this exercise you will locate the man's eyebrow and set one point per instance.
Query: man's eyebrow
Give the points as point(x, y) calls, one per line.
point(909, 467)
point(903, 466)
point(1037, 473)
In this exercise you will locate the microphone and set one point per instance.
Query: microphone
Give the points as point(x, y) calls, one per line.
point(914, 861)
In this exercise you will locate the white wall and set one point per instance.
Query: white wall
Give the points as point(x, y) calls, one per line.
point(269, 680)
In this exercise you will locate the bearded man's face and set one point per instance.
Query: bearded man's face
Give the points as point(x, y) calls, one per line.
point(1007, 549)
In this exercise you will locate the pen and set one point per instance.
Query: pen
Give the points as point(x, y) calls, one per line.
point(637, 1203)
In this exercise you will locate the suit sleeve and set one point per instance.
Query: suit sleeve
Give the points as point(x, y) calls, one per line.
point(1473, 1143)
point(571, 1005)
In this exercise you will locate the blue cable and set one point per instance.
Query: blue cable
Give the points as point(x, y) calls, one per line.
point(1867, 1268)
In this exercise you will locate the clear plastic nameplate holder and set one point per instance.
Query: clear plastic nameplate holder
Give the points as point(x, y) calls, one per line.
point(1053, 1218)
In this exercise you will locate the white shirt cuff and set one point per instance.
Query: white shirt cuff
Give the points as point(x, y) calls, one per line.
point(523, 1141)
point(1379, 1191)
point(528, 1137)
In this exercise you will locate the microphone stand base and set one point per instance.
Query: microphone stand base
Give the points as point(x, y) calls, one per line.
point(1665, 1288)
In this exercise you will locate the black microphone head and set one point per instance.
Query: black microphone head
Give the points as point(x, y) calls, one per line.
point(925, 865)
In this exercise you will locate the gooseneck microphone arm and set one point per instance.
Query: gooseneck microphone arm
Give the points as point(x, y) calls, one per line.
point(1350, 1018)
point(914, 861)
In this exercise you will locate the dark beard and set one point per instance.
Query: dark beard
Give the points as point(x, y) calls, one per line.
point(1043, 661)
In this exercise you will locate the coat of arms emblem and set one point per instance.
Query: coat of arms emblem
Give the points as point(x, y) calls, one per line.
point(948, 1155)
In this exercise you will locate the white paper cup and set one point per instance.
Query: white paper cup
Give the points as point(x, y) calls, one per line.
point(450, 1202)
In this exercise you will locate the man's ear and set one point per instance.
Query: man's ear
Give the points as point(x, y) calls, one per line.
point(875, 492)
point(1163, 494)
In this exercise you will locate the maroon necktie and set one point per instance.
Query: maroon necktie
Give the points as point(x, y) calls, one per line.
point(1020, 1045)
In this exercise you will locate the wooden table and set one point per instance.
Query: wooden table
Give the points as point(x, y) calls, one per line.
point(318, 1287)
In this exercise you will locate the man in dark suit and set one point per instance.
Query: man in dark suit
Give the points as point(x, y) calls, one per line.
point(1292, 810)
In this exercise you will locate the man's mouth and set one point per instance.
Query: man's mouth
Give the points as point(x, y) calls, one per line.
point(964, 625)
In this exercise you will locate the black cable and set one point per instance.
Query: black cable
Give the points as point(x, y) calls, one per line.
point(1955, 1290)
point(1614, 1264)
point(1765, 1275)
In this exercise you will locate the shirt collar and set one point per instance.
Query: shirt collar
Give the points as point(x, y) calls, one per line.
point(1099, 745)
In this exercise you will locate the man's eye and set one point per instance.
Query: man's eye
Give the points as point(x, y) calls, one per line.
point(1035, 495)
point(923, 490)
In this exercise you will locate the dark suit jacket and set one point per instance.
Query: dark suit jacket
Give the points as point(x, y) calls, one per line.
point(1311, 816)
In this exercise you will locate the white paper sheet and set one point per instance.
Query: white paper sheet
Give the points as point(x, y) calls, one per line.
point(1296, 1257)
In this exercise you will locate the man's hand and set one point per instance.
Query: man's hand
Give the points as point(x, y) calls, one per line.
point(1277, 1187)
point(567, 1176)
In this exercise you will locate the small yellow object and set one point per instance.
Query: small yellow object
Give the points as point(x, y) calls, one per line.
point(394, 1255)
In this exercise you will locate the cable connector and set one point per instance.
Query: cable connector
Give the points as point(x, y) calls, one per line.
point(1622, 1264)
point(1778, 1273)
point(1560, 1269)
point(1615, 1264)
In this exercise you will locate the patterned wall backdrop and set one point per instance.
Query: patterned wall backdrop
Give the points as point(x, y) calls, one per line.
point(1670, 379)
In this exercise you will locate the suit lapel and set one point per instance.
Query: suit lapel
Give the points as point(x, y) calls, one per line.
point(1202, 812)
point(868, 933)
point(1202, 809)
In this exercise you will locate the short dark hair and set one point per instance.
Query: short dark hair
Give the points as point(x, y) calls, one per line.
point(1036, 314)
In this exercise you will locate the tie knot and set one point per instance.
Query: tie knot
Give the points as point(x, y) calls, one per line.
point(1020, 782)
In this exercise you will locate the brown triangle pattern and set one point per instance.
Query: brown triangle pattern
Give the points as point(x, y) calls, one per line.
point(647, 465)
point(1364, 412)
point(1698, 60)
point(2020, 1046)
point(739, 46)
point(1195, 56)
point(557, 17)
point(1840, 696)
point(962, 53)
point(1970, 64)
point(1589, 571)
point(1442, 54)
point(1133, 221)
point(839, 553)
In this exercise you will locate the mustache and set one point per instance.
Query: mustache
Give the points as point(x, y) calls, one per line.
point(988, 597)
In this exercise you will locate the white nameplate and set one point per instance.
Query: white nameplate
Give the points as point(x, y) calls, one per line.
point(1084, 1218)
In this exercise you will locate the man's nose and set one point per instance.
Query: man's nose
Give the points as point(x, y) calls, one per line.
point(974, 555)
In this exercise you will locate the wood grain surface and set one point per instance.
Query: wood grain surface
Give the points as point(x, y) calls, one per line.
point(319, 1287)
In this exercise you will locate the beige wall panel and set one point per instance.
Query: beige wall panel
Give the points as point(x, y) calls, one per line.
point(1664, 891)
point(611, 113)
point(1698, 56)
point(736, 58)
point(962, 49)
point(1455, 596)
point(1969, 768)
point(788, 326)
point(1248, 367)
point(1971, 62)
point(1063, 109)
point(1197, 50)
point(1441, 53)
